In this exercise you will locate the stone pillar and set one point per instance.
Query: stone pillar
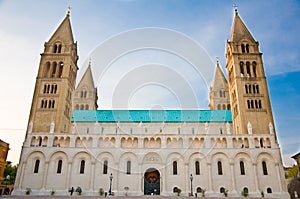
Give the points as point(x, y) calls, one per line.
point(278, 176)
point(19, 179)
point(92, 175)
point(255, 177)
point(209, 177)
point(164, 183)
point(69, 174)
point(186, 168)
point(45, 174)
point(232, 176)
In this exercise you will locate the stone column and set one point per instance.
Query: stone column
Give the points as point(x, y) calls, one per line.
point(209, 177)
point(186, 167)
point(255, 177)
point(278, 176)
point(232, 176)
point(19, 180)
point(92, 178)
point(45, 174)
point(69, 174)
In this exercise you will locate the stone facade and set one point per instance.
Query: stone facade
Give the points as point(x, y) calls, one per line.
point(146, 152)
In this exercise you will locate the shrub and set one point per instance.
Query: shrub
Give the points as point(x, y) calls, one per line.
point(78, 190)
point(101, 191)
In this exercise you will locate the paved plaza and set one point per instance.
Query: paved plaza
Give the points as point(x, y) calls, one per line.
point(112, 197)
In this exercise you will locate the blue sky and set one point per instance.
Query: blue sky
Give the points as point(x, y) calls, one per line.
point(26, 25)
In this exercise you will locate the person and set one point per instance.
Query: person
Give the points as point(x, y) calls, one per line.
point(105, 194)
point(71, 191)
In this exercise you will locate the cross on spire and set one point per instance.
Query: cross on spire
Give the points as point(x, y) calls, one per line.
point(69, 10)
point(235, 8)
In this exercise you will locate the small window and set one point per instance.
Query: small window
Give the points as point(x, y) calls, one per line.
point(245, 190)
point(220, 170)
point(247, 48)
point(82, 166)
point(242, 69)
point(243, 48)
point(242, 168)
point(36, 166)
point(248, 69)
point(174, 168)
point(105, 167)
point(59, 166)
point(197, 167)
point(128, 169)
point(269, 190)
point(264, 167)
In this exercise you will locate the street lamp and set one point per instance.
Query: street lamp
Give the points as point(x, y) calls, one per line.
point(191, 178)
point(110, 179)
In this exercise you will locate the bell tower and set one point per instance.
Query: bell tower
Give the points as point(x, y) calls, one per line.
point(51, 106)
point(249, 95)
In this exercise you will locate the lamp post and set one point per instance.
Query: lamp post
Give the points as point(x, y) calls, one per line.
point(110, 184)
point(191, 178)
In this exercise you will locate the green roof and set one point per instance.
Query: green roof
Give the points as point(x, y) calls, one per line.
point(151, 116)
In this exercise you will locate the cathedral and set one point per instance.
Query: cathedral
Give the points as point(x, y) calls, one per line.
point(229, 150)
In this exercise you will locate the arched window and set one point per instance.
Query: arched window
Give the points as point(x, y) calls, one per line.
point(105, 167)
point(220, 171)
point(61, 67)
point(199, 190)
point(174, 168)
point(47, 70)
point(242, 69)
point(248, 69)
point(81, 107)
point(86, 107)
point(246, 88)
point(252, 104)
point(228, 106)
point(243, 48)
point(59, 166)
point(53, 73)
point(257, 88)
point(248, 103)
point(82, 166)
point(128, 167)
point(256, 104)
point(222, 190)
point(175, 189)
point(224, 107)
point(245, 190)
point(247, 48)
point(259, 103)
point(36, 166)
point(242, 168)
point(55, 48)
point(269, 190)
point(59, 48)
point(254, 69)
point(219, 106)
point(197, 167)
point(264, 167)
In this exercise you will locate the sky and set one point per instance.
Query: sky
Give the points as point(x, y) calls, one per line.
point(201, 29)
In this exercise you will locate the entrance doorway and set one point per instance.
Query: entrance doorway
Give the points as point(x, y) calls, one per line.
point(152, 182)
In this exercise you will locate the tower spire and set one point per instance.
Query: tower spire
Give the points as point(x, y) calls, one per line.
point(69, 10)
point(235, 9)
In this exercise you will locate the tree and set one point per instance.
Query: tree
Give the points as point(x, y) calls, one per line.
point(10, 171)
point(293, 172)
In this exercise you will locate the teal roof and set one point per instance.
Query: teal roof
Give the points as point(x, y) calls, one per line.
point(151, 116)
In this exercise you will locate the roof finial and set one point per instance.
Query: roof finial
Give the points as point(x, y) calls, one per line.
point(69, 10)
point(90, 61)
point(217, 59)
point(235, 8)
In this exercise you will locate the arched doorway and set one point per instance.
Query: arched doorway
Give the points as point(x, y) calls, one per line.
point(152, 182)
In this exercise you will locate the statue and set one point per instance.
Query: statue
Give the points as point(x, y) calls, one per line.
point(271, 128)
point(30, 127)
point(52, 125)
point(206, 127)
point(249, 126)
point(228, 128)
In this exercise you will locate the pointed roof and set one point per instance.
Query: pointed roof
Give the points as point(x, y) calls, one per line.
point(240, 30)
point(87, 78)
point(64, 31)
point(219, 80)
